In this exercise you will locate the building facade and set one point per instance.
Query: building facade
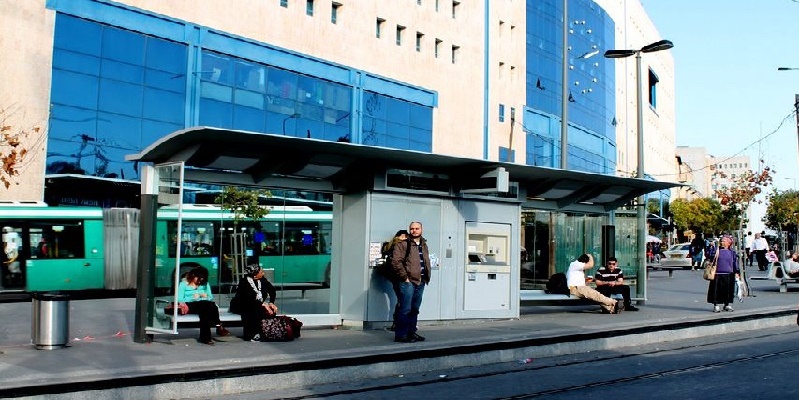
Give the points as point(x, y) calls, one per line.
point(478, 79)
point(104, 79)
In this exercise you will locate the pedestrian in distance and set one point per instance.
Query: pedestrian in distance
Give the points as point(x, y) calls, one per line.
point(697, 250)
point(195, 292)
point(575, 279)
point(721, 290)
point(610, 280)
point(410, 261)
point(748, 241)
point(760, 247)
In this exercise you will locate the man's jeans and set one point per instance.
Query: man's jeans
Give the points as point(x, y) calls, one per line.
point(409, 300)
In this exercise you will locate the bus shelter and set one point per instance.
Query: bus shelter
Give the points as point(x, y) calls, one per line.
point(471, 210)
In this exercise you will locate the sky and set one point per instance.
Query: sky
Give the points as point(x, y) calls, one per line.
point(729, 96)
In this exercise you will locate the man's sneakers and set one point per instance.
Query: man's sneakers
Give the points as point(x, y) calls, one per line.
point(411, 338)
point(729, 308)
point(716, 309)
point(630, 307)
point(618, 308)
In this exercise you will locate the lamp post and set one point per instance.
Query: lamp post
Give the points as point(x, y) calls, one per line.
point(564, 94)
point(295, 115)
point(650, 48)
point(795, 102)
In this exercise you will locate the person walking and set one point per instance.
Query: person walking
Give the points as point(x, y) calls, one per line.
point(748, 242)
point(760, 247)
point(697, 249)
point(721, 290)
point(411, 263)
point(610, 280)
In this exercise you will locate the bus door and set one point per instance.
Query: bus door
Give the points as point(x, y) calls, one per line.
point(12, 276)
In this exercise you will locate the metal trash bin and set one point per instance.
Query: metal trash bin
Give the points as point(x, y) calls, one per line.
point(50, 321)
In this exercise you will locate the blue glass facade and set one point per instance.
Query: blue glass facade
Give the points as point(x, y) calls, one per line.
point(591, 82)
point(123, 78)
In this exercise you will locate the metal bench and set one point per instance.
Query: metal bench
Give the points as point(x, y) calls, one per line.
point(776, 273)
point(660, 268)
point(542, 298)
point(160, 313)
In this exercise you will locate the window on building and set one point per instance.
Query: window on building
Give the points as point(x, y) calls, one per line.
point(284, 3)
point(419, 36)
point(437, 5)
point(379, 27)
point(400, 30)
point(501, 26)
point(653, 81)
point(437, 47)
point(512, 31)
point(309, 7)
point(455, 7)
point(334, 12)
point(512, 73)
point(419, 2)
point(512, 114)
point(501, 70)
point(455, 53)
point(501, 113)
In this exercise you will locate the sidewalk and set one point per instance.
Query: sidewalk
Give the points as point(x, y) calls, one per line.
point(103, 356)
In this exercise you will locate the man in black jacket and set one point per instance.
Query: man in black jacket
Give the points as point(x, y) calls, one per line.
point(413, 273)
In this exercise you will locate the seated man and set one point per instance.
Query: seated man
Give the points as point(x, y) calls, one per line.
point(791, 265)
point(610, 280)
point(575, 279)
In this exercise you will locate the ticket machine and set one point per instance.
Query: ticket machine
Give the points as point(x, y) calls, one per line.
point(487, 284)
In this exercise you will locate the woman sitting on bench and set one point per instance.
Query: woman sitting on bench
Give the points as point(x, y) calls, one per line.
point(195, 292)
point(255, 297)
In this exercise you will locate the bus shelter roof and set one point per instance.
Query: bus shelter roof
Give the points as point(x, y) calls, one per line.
point(231, 157)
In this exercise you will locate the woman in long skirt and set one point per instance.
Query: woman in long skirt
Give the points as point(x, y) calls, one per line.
point(721, 290)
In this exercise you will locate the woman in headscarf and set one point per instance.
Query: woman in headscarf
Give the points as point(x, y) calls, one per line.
point(195, 292)
point(255, 297)
point(721, 290)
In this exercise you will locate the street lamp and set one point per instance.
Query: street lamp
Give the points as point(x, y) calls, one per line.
point(295, 115)
point(795, 102)
point(650, 48)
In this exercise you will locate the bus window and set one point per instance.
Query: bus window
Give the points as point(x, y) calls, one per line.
point(60, 239)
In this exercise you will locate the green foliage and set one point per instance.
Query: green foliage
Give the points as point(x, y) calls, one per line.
point(243, 203)
point(703, 215)
point(782, 212)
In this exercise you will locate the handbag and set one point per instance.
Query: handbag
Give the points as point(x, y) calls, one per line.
point(710, 270)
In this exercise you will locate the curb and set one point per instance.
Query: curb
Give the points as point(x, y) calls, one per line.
point(221, 382)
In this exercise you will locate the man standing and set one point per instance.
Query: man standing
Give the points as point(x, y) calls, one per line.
point(610, 280)
point(748, 241)
point(575, 279)
point(411, 263)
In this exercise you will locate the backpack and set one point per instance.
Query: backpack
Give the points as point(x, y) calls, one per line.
point(384, 266)
point(557, 284)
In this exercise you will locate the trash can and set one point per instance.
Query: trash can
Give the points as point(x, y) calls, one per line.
point(50, 321)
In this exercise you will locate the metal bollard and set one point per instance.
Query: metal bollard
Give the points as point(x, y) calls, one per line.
point(50, 321)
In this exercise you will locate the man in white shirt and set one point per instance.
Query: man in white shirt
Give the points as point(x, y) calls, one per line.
point(748, 241)
point(575, 279)
point(760, 247)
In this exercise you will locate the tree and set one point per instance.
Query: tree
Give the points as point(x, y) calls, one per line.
point(243, 203)
point(782, 213)
point(741, 192)
point(698, 215)
point(12, 154)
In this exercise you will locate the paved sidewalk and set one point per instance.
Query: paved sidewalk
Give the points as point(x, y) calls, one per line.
point(102, 360)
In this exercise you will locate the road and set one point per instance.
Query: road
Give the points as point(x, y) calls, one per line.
point(747, 365)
